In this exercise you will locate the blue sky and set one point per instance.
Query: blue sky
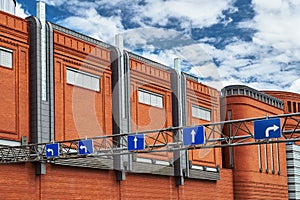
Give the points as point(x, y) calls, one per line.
point(223, 42)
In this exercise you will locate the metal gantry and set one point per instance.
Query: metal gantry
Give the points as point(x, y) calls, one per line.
point(217, 136)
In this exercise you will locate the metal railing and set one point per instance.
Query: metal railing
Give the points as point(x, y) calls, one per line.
point(161, 140)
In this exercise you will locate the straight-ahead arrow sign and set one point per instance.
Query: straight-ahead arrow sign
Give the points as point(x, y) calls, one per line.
point(136, 142)
point(194, 135)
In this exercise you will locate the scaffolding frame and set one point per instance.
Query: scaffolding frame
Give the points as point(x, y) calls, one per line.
point(161, 140)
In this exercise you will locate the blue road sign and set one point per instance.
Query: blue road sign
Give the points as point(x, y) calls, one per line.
point(85, 147)
point(136, 142)
point(194, 135)
point(52, 150)
point(267, 128)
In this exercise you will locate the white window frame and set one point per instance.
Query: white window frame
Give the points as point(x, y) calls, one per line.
point(150, 98)
point(83, 79)
point(9, 63)
point(201, 113)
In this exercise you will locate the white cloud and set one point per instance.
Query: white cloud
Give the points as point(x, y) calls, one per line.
point(55, 2)
point(209, 70)
point(295, 86)
point(20, 12)
point(142, 37)
point(166, 43)
point(200, 13)
point(249, 63)
point(188, 13)
point(277, 23)
point(264, 62)
point(94, 25)
point(165, 57)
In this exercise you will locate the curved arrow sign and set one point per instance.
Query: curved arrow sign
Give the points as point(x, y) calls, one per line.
point(266, 129)
point(271, 128)
point(85, 147)
point(52, 150)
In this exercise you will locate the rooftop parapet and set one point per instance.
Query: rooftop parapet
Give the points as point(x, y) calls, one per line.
point(243, 90)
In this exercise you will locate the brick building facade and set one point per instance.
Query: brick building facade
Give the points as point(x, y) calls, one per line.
point(255, 166)
point(57, 84)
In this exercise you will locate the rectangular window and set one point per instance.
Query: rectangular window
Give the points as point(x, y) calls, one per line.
point(298, 107)
point(289, 106)
point(83, 79)
point(294, 107)
point(150, 98)
point(228, 92)
point(229, 115)
point(201, 113)
point(6, 58)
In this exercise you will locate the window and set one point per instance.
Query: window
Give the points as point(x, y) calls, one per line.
point(6, 57)
point(201, 113)
point(289, 106)
point(294, 107)
point(298, 107)
point(150, 98)
point(228, 92)
point(229, 115)
point(83, 79)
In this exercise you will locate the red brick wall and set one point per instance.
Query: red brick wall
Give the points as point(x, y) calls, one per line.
point(256, 185)
point(294, 100)
point(206, 97)
point(18, 181)
point(248, 181)
point(78, 183)
point(81, 112)
point(143, 186)
point(146, 117)
point(197, 189)
point(14, 84)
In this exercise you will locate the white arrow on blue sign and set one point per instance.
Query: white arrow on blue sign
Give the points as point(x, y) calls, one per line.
point(136, 142)
point(52, 150)
point(194, 135)
point(85, 147)
point(267, 128)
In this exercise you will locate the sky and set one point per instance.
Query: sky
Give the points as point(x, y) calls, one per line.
point(222, 42)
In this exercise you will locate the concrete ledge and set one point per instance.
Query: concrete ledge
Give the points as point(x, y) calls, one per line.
point(140, 167)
